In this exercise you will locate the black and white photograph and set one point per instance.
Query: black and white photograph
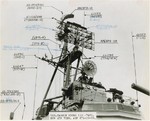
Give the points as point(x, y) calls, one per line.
point(74, 60)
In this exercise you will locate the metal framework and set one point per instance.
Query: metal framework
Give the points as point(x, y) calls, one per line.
point(68, 33)
point(77, 34)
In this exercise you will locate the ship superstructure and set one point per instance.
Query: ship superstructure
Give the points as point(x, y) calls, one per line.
point(81, 93)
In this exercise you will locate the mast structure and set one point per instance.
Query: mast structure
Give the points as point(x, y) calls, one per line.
point(82, 93)
point(68, 33)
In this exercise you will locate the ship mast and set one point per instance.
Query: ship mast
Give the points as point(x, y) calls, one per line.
point(72, 33)
point(63, 53)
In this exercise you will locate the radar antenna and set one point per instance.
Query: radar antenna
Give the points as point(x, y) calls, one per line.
point(89, 68)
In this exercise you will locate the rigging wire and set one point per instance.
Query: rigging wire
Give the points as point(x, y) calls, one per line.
point(16, 107)
point(49, 51)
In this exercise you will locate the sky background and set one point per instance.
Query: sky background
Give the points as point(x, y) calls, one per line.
point(125, 17)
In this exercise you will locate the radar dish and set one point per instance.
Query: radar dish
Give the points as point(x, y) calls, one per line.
point(90, 68)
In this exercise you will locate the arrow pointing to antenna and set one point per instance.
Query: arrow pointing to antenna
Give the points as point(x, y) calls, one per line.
point(30, 67)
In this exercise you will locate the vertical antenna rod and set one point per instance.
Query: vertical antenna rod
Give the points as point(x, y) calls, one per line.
point(134, 65)
point(35, 85)
point(24, 105)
